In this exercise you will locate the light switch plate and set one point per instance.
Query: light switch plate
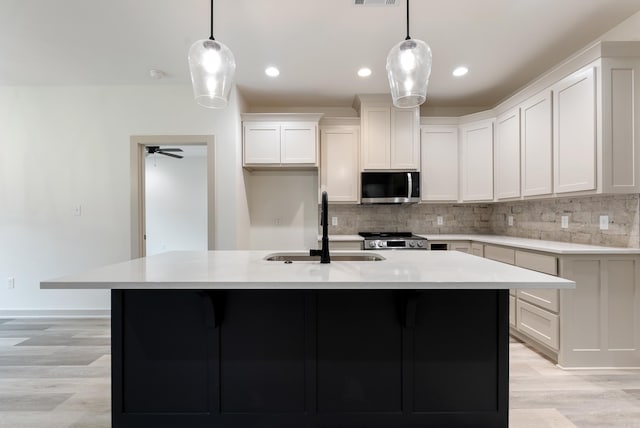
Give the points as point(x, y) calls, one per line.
point(439, 220)
point(510, 220)
point(604, 222)
point(77, 210)
point(564, 222)
point(11, 282)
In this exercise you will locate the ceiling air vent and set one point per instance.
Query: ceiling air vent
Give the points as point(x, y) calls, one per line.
point(375, 2)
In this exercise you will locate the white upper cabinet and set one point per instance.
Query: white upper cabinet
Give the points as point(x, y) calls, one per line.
point(536, 145)
point(477, 161)
point(574, 132)
point(507, 151)
point(261, 143)
point(405, 138)
point(390, 136)
point(376, 137)
point(339, 163)
point(276, 140)
point(439, 165)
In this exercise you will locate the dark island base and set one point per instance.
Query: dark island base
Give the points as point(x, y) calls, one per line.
point(347, 359)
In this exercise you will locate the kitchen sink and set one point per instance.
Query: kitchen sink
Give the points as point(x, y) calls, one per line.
point(338, 257)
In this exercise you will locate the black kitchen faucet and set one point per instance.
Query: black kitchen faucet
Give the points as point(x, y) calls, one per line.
point(324, 221)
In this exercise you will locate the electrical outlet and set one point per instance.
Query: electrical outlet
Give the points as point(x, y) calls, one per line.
point(277, 221)
point(564, 222)
point(77, 210)
point(604, 222)
point(11, 282)
point(510, 220)
point(334, 221)
point(439, 220)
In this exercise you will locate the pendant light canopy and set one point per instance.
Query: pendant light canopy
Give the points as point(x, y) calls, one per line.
point(213, 68)
point(408, 69)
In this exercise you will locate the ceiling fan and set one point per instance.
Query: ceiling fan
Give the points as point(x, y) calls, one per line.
point(156, 149)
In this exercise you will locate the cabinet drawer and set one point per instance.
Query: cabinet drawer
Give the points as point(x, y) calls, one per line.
point(512, 311)
point(539, 262)
point(543, 297)
point(465, 247)
point(539, 324)
point(500, 254)
point(477, 249)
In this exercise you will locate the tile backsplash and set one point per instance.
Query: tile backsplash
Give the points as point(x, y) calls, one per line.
point(537, 219)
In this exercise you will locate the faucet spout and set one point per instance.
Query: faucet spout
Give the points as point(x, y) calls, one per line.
point(324, 221)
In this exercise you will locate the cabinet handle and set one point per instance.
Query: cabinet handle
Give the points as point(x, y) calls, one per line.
point(213, 307)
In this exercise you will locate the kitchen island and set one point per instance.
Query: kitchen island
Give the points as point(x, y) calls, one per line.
point(229, 339)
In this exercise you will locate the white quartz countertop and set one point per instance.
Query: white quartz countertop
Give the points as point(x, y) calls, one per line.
point(249, 270)
point(532, 244)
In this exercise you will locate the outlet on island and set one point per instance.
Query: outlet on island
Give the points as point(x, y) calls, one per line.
point(439, 220)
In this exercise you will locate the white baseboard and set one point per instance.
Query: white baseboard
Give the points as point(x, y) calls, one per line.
point(55, 313)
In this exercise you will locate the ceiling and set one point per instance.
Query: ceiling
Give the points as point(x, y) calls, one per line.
point(317, 44)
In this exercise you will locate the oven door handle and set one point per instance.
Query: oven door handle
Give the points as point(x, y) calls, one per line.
point(409, 186)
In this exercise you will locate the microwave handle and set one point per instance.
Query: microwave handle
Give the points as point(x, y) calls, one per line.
point(409, 185)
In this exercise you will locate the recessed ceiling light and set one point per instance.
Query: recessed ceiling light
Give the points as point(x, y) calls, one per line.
point(272, 72)
point(364, 72)
point(156, 74)
point(460, 71)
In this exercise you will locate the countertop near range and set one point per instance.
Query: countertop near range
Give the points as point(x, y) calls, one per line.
point(249, 270)
point(532, 244)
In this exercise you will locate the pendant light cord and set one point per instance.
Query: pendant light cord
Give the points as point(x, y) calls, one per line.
point(211, 37)
point(408, 36)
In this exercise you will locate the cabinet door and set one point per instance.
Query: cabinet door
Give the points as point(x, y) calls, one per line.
point(536, 133)
point(298, 143)
point(439, 167)
point(507, 170)
point(261, 143)
point(376, 137)
point(477, 161)
point(339, 170)
point(574, 134)
point(405, 138)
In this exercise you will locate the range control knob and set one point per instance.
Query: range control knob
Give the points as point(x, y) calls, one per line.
point(420, 244)
point(372, 244)
point(412, 243)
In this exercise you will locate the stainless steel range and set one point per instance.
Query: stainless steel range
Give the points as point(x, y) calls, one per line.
point(393, 241)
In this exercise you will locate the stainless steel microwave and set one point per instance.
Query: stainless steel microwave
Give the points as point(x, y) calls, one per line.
point(390, 187)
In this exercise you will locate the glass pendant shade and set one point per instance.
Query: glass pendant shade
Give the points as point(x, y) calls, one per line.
point(213, 69)
point(408, 69)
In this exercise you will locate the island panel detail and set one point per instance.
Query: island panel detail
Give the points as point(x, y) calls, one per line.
point(310, 358)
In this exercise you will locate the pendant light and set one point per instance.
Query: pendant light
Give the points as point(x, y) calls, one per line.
point(213, 68)
point(408, 69)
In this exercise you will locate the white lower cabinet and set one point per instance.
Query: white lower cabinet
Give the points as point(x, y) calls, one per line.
point(593, 325)
point(539, 324)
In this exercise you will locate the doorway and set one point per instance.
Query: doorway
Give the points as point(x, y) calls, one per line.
point(172, 187)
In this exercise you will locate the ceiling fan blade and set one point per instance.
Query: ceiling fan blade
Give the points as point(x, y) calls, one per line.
point(171, 150)
point(170, 155)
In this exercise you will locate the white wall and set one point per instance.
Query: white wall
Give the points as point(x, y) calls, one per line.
point(283, 206)
point(67, 146)
point(176, 201)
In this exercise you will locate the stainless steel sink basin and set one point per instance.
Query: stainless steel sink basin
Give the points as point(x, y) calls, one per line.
point(339, 257)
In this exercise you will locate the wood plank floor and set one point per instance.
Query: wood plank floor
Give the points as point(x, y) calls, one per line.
point(55, 373)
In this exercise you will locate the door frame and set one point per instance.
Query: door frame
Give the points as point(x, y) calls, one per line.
point(137, 148)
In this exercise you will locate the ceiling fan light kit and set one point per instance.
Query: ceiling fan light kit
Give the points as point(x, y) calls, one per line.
point(408, 70)
point(212, 66)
